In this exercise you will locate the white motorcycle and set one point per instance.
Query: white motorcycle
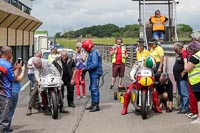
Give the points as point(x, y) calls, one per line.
point(51, 82)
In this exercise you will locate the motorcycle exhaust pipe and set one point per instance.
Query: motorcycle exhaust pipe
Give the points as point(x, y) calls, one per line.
point(140, 97)
point(148, 97)
point(136, 99)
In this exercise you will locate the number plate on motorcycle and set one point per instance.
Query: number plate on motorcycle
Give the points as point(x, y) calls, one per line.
point(146, 73)
point(51, 80)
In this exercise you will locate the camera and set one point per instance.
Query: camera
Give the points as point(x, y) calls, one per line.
point(19, 60)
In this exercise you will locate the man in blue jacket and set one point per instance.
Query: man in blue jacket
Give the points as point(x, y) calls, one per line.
point(7, 75)
point(94, 67)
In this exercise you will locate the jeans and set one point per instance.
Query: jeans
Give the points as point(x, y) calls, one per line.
point(12, 108)
point(4, 109)
point(31, 77)
point(184, 94)
point(158, 35)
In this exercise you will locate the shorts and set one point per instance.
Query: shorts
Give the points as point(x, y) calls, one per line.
point(118, 70)
point(197, 96)
point(158, 35)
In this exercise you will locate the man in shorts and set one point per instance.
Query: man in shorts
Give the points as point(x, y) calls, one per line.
point(119, 55)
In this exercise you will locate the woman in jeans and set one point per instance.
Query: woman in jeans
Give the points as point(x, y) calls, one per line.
point(16, 87)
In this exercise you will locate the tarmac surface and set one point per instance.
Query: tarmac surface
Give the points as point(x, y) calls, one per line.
point(108, 120)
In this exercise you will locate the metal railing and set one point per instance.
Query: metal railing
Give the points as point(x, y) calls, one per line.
point(105, 51)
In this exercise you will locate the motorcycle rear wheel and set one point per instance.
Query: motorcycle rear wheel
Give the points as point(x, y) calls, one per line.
point(144, 106)
point(54, 105)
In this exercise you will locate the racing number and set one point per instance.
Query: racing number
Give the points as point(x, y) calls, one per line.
point(52, 79)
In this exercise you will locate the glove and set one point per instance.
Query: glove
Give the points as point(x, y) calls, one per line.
point(84, 70)
point(83, 74)
point(184, 54)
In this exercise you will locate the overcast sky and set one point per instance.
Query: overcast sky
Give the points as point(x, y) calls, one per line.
point(66, 15)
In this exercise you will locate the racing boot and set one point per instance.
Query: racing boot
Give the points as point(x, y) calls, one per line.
point(95, 108)
point(90, 107)
point(126, 102)
point(156, 102)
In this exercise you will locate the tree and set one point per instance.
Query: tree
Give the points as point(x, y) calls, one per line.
point(58, 35)
point(184, 30)
point(131, 31)
point(70, 34)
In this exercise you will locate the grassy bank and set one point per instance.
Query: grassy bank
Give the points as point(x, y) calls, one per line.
point(70, 43)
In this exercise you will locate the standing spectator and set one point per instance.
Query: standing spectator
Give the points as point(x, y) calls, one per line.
point(66, 66)
point(119, 54)
point(158, 25)
point(181, 77)
point(193, 102)
point(31, 77)
point(94, 67)
point(193, 68)
point(157, 53)
point(16, 87)
point(141, 51)
point(141, 54)
point(164, 87)
point(7, 75)
point(30, 74)
point(54, 53)
point(80, 57)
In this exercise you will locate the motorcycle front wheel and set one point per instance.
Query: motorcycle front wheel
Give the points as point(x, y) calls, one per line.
point(54, 105)
point(144, 106)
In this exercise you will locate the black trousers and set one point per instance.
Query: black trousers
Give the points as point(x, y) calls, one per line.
point(70, 91)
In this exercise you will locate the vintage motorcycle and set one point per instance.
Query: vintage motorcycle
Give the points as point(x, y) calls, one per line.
point(51, 83)
point(139, 91)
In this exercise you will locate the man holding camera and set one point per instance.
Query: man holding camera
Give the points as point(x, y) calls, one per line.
point(119, 54)
point(7, 75)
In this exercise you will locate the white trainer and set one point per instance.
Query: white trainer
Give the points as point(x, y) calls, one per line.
point(197, 121)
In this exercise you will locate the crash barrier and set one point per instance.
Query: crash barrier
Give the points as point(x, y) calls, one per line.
point(169, 59)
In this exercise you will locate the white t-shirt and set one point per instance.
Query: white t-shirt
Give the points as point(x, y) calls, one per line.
point(30, 63)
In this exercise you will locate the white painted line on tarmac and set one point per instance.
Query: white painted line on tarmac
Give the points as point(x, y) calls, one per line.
point(25, 85)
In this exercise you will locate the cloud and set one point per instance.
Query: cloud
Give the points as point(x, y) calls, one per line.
point(64, 15)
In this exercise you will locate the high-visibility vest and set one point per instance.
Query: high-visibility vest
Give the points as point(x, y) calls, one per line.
point(158, 23)
point(123, 55)
point(194, 74)
point(51, 57)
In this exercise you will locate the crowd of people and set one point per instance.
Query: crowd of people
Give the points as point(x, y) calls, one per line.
point(71, 70)
point(87, 58)
point(186, 73)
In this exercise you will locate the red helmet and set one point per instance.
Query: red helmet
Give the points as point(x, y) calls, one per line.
point(87, 45)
